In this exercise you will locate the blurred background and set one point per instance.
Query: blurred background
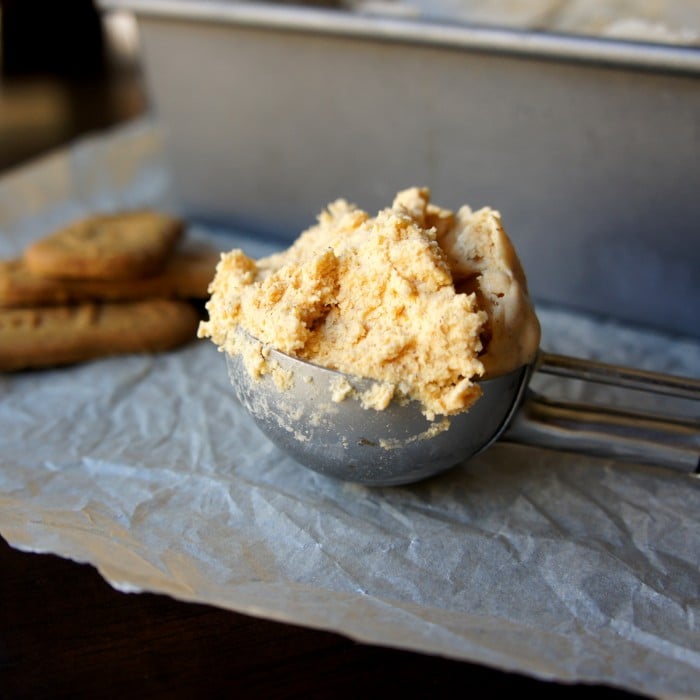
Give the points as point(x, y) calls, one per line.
point(65, 70)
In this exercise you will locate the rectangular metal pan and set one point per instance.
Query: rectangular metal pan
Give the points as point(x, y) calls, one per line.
point(589, 148)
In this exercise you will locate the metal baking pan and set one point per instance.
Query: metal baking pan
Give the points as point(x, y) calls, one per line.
point(590, 148)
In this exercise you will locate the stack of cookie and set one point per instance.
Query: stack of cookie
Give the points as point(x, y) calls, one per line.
point(103, 285)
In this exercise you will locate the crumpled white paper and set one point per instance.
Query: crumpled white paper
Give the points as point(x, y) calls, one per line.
point(558, 566)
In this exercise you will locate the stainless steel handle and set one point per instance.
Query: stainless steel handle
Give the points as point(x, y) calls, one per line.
point(667, 441)
point(624, 377)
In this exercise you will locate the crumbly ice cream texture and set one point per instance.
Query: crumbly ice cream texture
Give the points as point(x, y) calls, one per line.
point(422, 299)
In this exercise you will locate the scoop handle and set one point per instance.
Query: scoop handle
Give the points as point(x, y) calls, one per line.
point(659, 440)
point(616, 375)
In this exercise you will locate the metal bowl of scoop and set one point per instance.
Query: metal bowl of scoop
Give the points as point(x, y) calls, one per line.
point(317, 416)
point(297, 406)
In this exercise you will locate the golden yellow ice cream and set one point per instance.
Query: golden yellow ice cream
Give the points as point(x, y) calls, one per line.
point(421, 299)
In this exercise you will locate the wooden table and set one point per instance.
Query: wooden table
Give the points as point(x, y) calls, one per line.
point(65, 633)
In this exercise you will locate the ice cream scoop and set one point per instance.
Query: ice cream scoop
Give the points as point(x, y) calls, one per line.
point(318, 417)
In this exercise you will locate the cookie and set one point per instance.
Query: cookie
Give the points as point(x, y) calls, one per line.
point(61, 335)
point(186, 275)
point(124, 245)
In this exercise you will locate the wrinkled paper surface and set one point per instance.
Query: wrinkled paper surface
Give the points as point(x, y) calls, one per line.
point(558, 566)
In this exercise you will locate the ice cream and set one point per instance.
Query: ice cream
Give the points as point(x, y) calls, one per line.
point(421, 299)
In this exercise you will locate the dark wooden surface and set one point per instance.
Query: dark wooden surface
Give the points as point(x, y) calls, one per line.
point(65, 633)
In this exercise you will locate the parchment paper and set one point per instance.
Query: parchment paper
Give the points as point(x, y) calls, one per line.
point(557, 566)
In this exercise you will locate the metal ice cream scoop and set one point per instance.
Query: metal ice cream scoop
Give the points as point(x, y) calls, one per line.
point(298, 406)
